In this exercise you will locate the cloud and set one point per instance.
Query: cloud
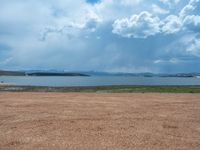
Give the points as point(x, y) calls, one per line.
point(186, 45)
point(145, 24)
point(171, 24)
point(158, 10)
point(170, 61)
point(137, 26)
point(170, 2)
point(192, 23)
point(110, 35)
point(188, 8)
point(193, 45)
point(73, 29)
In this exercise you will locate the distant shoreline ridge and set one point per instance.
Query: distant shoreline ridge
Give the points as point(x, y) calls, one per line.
point(22, 73)
point(93, 73)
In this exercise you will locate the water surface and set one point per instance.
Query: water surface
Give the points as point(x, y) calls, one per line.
point(98, 81)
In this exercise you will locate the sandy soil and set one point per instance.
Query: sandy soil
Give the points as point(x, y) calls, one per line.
point(99, 121)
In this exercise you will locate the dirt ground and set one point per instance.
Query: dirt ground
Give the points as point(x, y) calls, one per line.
point(99, 121)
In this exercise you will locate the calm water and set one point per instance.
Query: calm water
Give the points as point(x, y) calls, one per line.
point(99, 81)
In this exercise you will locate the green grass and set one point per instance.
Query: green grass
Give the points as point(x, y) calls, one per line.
point(106, 89)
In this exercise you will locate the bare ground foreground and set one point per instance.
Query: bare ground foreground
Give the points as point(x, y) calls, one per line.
point(99, 121)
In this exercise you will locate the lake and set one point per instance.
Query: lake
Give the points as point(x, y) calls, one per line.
point(98, 81)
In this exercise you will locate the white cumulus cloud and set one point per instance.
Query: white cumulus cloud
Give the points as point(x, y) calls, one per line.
point(137, 26)
point(172, 24)
point(158, 10)
point(188, 8)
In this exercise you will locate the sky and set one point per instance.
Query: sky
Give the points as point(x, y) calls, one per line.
point(159, 36)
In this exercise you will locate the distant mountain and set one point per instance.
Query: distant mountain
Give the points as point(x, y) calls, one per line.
point(91, 73)
point(186, 75)
point(54, 74)
point(146, 74)
point(12, 73)
point(39, 73)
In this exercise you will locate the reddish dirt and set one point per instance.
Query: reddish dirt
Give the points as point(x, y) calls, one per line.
point(99, 121)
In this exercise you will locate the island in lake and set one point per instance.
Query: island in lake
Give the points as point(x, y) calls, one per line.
point(39, 73)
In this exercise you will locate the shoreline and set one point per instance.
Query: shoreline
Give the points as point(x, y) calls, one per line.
point(7, 84)
point(11, 87)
